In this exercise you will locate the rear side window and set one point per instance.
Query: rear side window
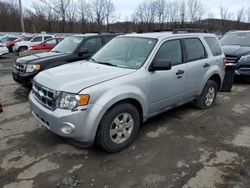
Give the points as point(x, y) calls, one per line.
point(194, 49)
point(170, 50)
point(214, 46)
point(47, 37)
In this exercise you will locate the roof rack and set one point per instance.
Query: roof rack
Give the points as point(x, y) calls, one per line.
point(181, 31)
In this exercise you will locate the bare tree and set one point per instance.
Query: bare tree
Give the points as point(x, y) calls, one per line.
point(97, 10)
point(240, 14)
point(160, 12)
point(59, 7)
point(196, 10)
point(109, 12)
point(183, 12)
point(71, 14)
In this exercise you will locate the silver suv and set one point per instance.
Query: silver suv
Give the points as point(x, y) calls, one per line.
point(132, 78)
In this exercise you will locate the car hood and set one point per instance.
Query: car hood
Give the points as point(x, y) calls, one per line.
point(235, 50)
point(77, 76)
point(40, 57)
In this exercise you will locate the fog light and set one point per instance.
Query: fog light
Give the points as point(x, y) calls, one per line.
point(68, 128)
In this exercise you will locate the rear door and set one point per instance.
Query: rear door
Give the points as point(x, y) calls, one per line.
point(197, 64)
point(167, 87)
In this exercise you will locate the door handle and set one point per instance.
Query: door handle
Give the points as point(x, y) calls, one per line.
point(179, 72)
point(206, 65)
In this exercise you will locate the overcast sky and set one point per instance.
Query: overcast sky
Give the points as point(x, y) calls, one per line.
point(126, 7)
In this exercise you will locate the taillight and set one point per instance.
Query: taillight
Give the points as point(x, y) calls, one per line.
point(225, 63)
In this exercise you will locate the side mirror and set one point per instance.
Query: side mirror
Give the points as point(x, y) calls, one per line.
point(83, 51)
point(160, 65)
point(43, 44)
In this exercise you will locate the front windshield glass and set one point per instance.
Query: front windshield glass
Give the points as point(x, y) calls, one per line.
point(126, 52)
point(68, 45)
point(242, 39)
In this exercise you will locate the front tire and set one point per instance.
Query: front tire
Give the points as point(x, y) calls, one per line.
point(22, 48)
point(208, 95)
point(118, 128)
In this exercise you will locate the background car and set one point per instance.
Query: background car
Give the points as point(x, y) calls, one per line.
point(47, 45)
point(3, 50)
point(10, 44)
point(5, 40)
point(236, 47)
point(24, 45)
point(71, 49)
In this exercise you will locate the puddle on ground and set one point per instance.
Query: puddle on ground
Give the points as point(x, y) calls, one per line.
point(242, 138)
point(215, 169)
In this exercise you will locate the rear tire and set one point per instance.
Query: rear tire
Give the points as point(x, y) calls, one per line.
point(118, 128)
point(208, 95)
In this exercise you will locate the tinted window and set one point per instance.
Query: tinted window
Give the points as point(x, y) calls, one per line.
point(108, 38)
point(172, 51)
point(195, 49)
point(93, 44)
point(47, 37)
point(214, 45)
point(37, 39)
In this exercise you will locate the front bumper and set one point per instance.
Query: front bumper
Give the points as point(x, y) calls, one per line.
point(24, 79)
point(4, 50)
point(15, 48)
point(83, 120)
point(242, 70)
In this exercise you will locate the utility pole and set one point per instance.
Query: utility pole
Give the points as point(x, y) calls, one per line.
point(21, 15)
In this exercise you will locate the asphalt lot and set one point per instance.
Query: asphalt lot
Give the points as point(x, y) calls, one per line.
point(185, 147)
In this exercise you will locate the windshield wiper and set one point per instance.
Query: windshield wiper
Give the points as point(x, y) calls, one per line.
point(104, 63)
point(56, 51)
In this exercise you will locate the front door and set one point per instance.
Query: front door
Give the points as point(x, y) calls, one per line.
point(166, 88)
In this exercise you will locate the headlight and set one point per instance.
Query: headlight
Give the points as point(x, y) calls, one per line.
point(32, 68)
point(71, 101)
point(244, 59)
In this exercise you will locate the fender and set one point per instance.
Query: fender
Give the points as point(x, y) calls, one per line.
point(111, 97)
point(212, 71)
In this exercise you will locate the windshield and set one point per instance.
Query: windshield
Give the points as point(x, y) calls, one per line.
point(126, 52)
point(242, 39)
point(68, 45)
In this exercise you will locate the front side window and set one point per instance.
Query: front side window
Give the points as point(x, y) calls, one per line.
point(93, 44)
point(194, 49)
point(214, 46)
point(37, 39)
point(126, 52)
point(171, 51)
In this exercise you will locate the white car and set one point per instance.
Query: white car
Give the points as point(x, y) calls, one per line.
point(24, 45)
point(3, 50)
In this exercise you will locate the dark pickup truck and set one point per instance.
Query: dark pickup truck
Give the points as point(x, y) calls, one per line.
point(72, 48)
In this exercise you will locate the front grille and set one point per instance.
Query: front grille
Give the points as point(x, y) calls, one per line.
point(47, 97)
point(20, 68)
point(232, 59)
